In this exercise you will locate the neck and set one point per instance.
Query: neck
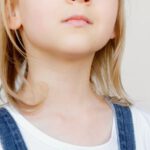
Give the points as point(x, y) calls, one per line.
point(68, 82)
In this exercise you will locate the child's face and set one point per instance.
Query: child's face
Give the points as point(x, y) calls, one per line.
point(42, 26)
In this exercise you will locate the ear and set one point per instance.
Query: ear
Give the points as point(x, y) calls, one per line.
point(113, 35)
point(13, 15)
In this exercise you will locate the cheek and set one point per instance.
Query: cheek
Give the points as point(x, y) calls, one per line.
point(37, 18)
point(107, 10)
point(107, 14)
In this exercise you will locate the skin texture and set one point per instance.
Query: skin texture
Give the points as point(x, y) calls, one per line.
point(62, 58)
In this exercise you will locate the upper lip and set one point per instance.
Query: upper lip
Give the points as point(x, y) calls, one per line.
point(78, 17)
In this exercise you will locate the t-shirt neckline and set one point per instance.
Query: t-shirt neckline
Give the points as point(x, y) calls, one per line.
point(36, 132)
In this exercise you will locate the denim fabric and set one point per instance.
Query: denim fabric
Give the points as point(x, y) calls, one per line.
point(12, 139)
point(125, 127)
point(10, 135)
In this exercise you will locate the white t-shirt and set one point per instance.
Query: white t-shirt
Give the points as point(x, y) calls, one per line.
point(35, 139)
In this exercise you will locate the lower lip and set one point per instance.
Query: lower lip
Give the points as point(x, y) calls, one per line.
point(77, 23)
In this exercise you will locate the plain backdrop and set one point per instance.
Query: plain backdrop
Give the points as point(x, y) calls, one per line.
point(136, 61)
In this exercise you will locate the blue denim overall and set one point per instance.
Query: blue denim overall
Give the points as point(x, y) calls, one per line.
point(12, 139)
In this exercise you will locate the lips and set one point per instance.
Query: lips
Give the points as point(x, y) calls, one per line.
point(78, 17)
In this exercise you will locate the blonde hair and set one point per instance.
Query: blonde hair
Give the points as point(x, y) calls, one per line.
point(105, 74)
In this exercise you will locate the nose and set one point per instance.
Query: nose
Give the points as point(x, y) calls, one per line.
point(82, 1)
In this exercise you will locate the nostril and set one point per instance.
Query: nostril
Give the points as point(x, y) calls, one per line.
point(84, 0)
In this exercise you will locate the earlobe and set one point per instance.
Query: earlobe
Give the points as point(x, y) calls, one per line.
point(14, 23)
point(113, 35)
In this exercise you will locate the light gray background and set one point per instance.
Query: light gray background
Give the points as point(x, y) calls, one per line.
point(136, 62)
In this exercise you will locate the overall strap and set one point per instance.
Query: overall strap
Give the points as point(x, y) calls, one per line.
point(10, 135)
point(125, 127)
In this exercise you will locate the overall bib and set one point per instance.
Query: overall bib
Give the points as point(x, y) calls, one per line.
point(12, 139)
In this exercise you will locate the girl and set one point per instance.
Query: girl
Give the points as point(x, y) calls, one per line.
point(60, 73)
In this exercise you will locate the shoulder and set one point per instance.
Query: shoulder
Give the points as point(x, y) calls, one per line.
point(141, 123)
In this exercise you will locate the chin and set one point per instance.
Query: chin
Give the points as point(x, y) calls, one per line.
point(76, 43)
point(74, 54)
